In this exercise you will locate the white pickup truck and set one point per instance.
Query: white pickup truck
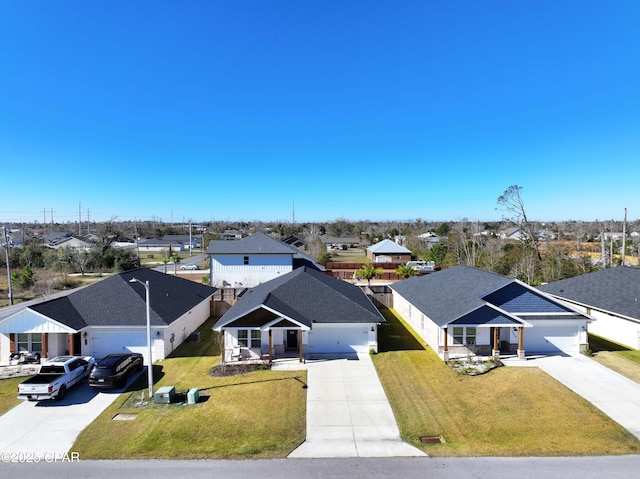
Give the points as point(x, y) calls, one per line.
point(56, 376)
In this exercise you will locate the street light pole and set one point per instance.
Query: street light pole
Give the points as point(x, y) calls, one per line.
point(149, 363)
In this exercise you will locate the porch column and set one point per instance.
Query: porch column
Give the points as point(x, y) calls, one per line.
point(445, 354)
point(270, 346)
point(300, 343)
point(45, 345)
point(521, 343)
point(496, 347)
point(222, 351)
point(71, 351)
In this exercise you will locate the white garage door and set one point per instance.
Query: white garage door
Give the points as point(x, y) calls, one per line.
point(550, 340)
point(105, 343)
point(339, 338)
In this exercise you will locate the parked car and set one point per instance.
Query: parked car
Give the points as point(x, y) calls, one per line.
point(191, 266)
point(113, 370)
point(56, 376)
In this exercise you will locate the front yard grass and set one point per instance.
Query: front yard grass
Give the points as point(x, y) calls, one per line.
point(9, 393)
point(260, 414)
point(510, 411)
point(619, 358)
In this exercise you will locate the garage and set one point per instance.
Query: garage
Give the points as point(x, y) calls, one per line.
point(339, 338)
point(547, 339)
point(109, 342)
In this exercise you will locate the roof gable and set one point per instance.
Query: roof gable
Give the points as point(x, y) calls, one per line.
point(388, 246)
point(446, 295)
point(486, 316)
point(306, 296)
point(516, 298)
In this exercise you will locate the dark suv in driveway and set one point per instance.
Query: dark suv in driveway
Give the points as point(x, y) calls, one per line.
point(113, 370)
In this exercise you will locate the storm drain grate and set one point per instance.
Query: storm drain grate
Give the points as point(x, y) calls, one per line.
point(124, 417)
point(430, 439)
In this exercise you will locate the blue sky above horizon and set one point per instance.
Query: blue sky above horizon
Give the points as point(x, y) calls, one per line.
point(379, 110)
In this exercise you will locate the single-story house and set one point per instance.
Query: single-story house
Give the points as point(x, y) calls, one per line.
point(387, 251)
point(463, 310)
point(110, 317)
point(78, 243)
point(301, 313)
point(611, 296)
point(252, 260)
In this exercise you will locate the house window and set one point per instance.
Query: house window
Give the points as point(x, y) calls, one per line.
point(22, 342)
point(249, 340)
point(458, 335)
point(36, 342)
point(28, 342)
point(466, 336)
point(246, 260)
point(470, 336)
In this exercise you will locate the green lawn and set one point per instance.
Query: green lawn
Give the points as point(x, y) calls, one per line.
point(260, 414)
point(509, 411)
point(9, 393)
point(616, 357)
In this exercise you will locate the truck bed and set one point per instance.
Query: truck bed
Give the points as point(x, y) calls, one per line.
point(42, 379)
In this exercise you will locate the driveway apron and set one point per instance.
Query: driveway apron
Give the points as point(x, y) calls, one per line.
point(348, 414)
point(48, 429)
point(615, 395)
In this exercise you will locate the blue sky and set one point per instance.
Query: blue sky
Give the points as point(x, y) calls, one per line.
point(379, 110)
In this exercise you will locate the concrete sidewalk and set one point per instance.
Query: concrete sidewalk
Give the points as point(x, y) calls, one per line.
point(348, 414)
point(615, 395)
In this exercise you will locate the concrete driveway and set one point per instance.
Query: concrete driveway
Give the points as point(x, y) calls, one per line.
point(47, 428)
point(348, 414)
point(612, 393)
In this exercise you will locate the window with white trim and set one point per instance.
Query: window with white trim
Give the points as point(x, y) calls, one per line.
point(248, 339)
point(466, 336)
point(28, 342)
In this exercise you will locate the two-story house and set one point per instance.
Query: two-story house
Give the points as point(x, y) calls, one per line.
point(253, 260)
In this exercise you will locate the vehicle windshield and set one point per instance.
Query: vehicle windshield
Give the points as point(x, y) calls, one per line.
point(109, 362)
point(52, 370)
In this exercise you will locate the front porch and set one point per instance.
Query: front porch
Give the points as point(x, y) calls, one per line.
point(482, 340)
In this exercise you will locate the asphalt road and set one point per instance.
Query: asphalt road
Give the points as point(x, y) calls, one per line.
point(611, 467)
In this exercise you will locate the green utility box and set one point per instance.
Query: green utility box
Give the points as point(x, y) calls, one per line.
point(193, 395)
point(165, 395)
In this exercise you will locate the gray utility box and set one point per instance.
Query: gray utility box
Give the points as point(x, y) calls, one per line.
point(165, 395)
point(193, 395)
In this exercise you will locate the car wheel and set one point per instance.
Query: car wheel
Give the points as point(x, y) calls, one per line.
point(62, 392)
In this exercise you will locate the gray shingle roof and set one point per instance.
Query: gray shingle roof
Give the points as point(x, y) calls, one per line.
point(115, 301)
point(307, 296)
point(448, 294)
point(471, 296)
point(387, 246)
point(616, 290)
point(258, 243)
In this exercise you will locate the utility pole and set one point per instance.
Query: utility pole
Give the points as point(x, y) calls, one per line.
point(6, 248)
point(624, 236)
point(190, 240)
point(80, 219)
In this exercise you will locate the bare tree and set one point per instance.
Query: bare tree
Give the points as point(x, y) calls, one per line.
point(512, 202)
